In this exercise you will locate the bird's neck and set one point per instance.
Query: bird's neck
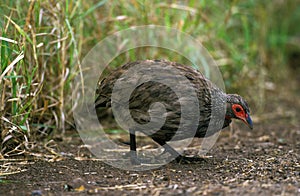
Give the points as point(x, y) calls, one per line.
point(229, 113)
point(227, 117)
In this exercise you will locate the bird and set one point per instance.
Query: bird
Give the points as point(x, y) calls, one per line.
point(208, 96)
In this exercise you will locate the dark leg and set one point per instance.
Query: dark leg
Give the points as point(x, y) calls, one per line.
point(170, 150)
point(178, 157)
point(167, 148)
point(133, 154)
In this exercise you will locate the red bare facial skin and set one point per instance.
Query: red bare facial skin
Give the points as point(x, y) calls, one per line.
point(242, 115)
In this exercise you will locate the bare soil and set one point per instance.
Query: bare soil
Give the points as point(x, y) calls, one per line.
point(264, 161)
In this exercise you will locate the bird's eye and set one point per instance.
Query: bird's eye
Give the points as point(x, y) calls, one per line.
point(238, 109)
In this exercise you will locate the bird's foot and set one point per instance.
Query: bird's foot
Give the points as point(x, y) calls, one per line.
point(184, 160)
point(135, 161)
point(138, 161)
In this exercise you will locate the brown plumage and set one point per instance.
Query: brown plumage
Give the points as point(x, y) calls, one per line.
point(209, 97)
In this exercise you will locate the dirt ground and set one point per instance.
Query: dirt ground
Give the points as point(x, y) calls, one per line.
point(264, 161)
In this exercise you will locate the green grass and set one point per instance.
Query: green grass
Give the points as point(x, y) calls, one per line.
point(248, 40)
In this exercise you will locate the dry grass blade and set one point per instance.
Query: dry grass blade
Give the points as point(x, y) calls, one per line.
point(19, 29)
point(179, 7)
point(6, 170)
point(128, 186)
point(8, 40)
point(11, 65)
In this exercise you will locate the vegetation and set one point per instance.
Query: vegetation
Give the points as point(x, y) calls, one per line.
point(42, 44)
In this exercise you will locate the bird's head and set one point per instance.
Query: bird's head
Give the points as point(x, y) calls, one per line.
point(238, 108)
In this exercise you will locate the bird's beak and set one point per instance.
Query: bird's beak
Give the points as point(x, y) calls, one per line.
point(248, 121)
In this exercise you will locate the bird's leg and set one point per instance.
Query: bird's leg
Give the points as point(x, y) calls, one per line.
point(133, 154)
point(178, 157)
point(167, 148)
point(170, 150)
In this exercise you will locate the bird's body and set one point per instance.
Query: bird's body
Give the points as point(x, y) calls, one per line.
point(209, 97)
